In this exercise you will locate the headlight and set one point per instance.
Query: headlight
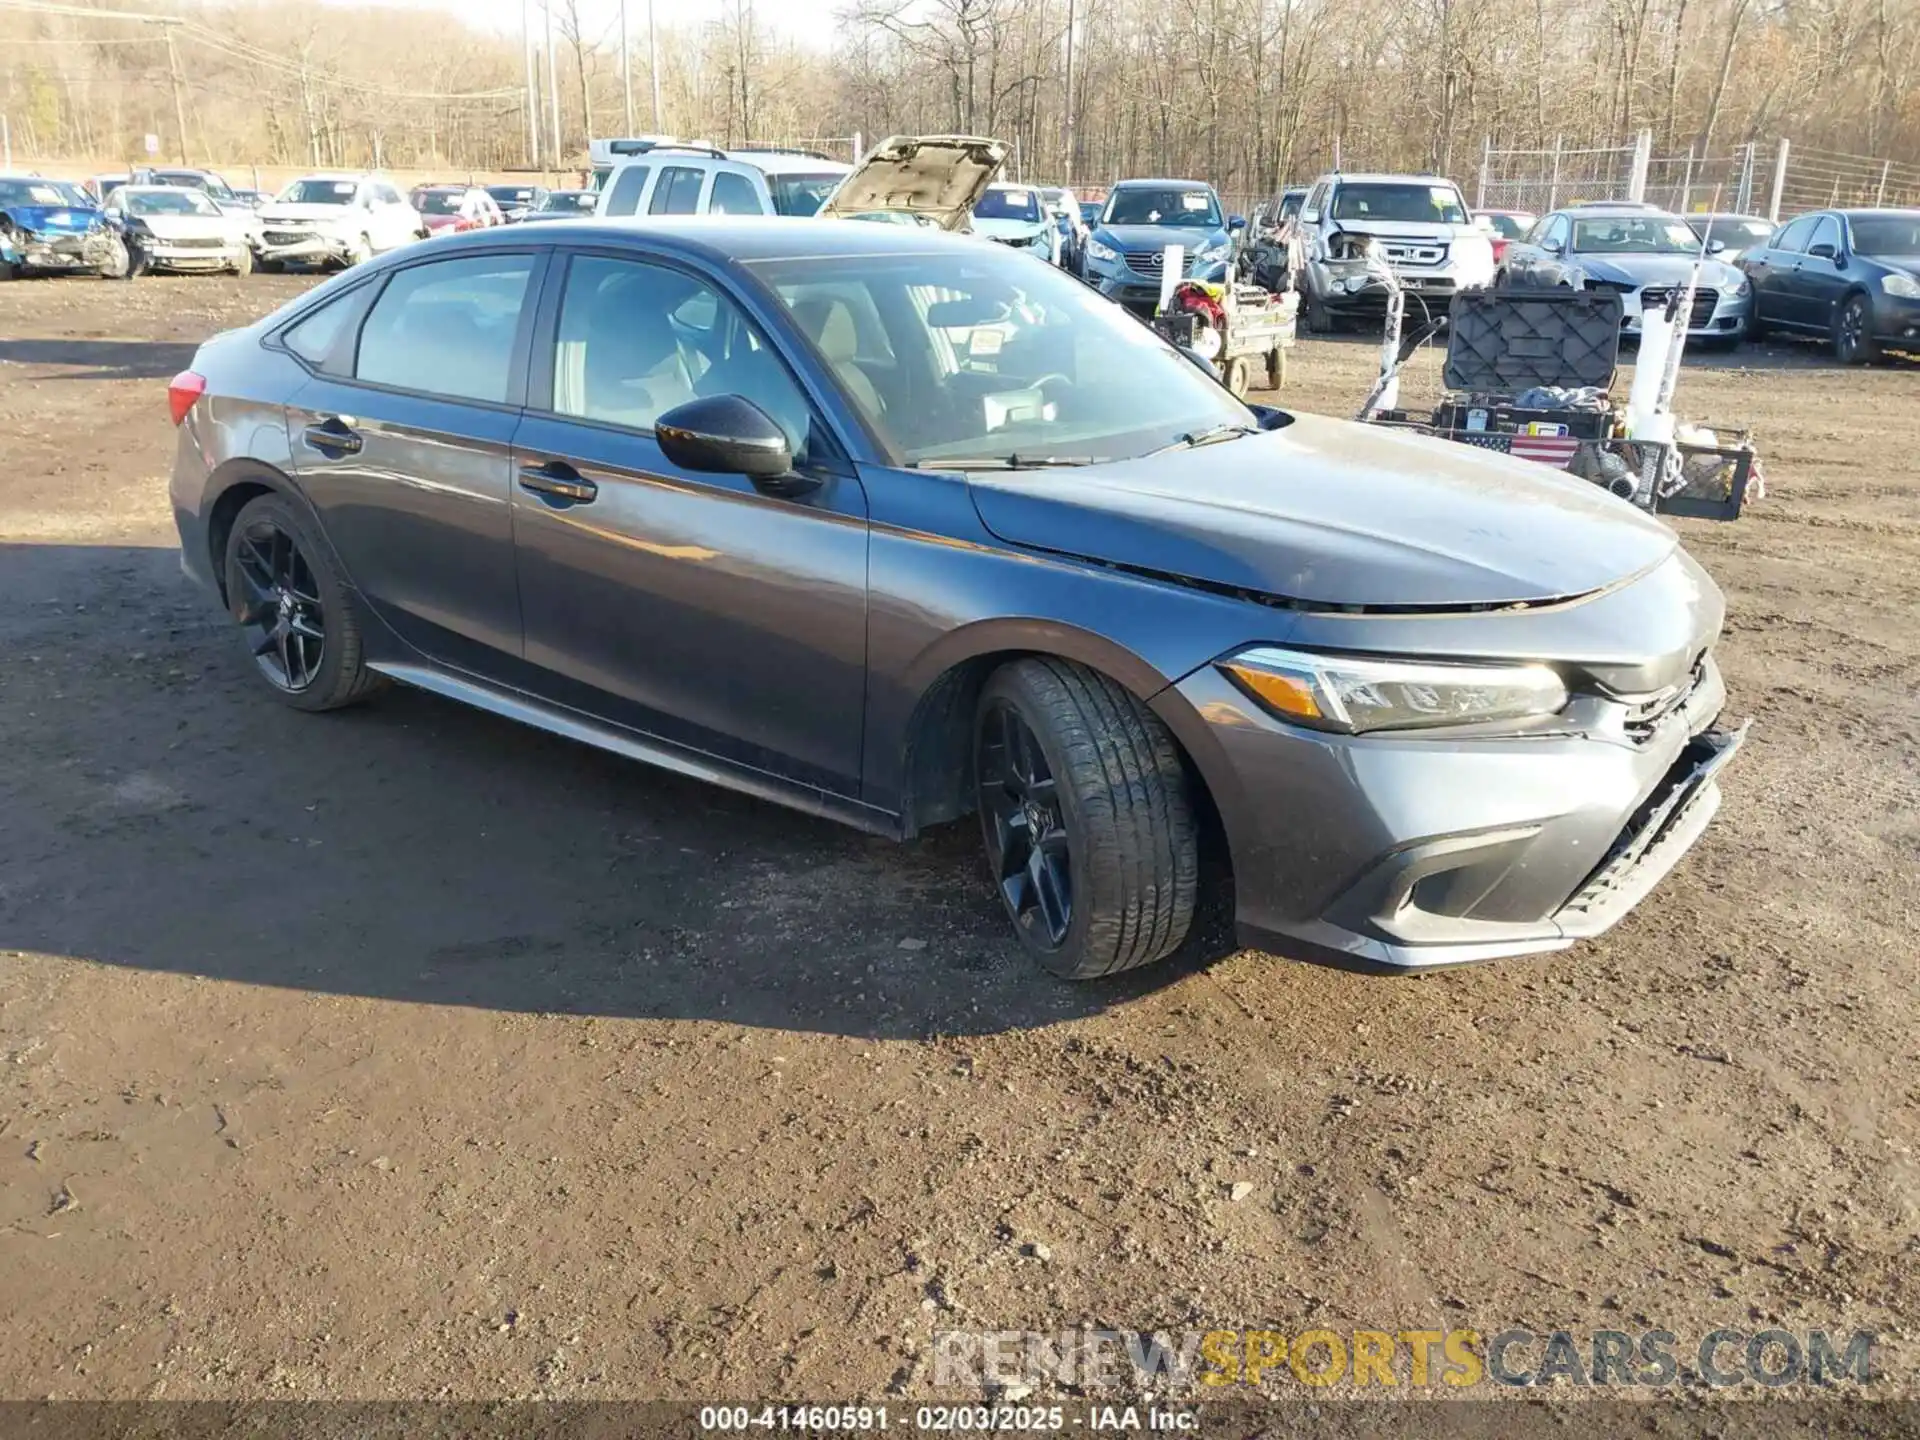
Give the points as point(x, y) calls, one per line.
point(1098, 251)
point(1040, 240)
point(1215, 252)
point(1354, 693)
point(1904, 286)
point(1736, 288)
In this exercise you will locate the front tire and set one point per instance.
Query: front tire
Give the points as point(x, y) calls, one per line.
point(243, 262)
point(359, 252)
point(1087, 817)
point(1853, 342)
point(301, 625)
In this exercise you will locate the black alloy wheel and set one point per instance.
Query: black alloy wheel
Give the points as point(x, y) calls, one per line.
point(1027, 841)
point(1853, 333)
point(277, 602)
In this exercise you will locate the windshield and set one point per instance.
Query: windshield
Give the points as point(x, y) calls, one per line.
point(192, 180)
point(1291, 202)
point(1011, 203)
point(1634, 235)
point(167, 202)
point(569, 202)
point(982, 357)
point(1886, 234)
point(1169, 205)
point(1400, 200)
point(438, 202)
point(800, 194)
point(1734, 233)
point(319, 192)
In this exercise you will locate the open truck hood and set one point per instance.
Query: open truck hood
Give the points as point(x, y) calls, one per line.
point(939, 176)
point(1331, 513)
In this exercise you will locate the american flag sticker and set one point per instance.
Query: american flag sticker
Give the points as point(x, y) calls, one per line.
point(1554, 450)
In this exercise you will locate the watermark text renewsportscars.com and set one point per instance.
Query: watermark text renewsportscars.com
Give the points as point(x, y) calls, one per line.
point(1202, 1362)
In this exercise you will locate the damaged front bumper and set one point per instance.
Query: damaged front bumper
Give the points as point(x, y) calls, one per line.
point(300, 245)
point(56, 251)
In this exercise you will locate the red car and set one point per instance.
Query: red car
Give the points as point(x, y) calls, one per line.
point(1504, 227)
point(449, 209)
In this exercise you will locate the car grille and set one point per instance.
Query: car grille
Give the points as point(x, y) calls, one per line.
point(1151, 263)
point(1655, 297)
point(1645, 712)
point(197, 242)
point(1402, 254)
point(287, 237)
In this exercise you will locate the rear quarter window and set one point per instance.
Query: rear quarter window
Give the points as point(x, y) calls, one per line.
point(629, 184)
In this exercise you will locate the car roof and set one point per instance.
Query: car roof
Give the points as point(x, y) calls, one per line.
point(1139, 183)
point(718, 239)
point(780, 162)
point(1616, 208)
point(1726, 215)
point(1375, 177)
point(1903, 212)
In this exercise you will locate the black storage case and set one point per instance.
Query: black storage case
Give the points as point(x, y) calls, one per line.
point(1506, 341)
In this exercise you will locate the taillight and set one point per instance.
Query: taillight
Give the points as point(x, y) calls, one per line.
point(185, 388)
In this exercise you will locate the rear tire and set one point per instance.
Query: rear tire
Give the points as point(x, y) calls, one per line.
point(1853, 342)
point(301, 623)
point(1237, 376)
point(1069, 758)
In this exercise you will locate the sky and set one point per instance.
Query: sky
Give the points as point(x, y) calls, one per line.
point(808, 21)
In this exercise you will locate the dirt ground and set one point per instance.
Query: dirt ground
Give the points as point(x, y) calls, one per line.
point(408, 1053)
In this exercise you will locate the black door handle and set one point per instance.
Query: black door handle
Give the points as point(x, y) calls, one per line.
point(557, 480)
point(333, 436)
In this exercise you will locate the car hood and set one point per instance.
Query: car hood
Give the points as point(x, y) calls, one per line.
point(441, 222)
point(1637, 270)
point(1431, 231)
point(1002, 228)
point(1191, 238)
point(1337, 514)
point(305, 214)
point(1906, 264)
point(54, 219)
point(939, 176)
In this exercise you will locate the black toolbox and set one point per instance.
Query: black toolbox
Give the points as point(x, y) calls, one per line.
point(1503, 343)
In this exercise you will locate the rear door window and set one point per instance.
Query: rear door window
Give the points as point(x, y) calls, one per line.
point(734, 195)
point(447, 328)
point(678, 192)
point(629, 184)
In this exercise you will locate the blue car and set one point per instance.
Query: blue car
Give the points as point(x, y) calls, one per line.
point(50, 225)
point(1141, 218)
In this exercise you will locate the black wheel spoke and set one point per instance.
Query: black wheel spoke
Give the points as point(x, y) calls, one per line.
point(1027, 839)
point(277, 602)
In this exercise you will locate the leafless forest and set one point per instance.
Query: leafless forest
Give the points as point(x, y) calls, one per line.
point(1248, 93)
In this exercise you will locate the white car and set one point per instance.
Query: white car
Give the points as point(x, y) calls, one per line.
point(167, 227)
point(1418, 225)
point(1016, 216)
point(334, 219)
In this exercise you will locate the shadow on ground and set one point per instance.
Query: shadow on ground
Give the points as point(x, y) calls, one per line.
point(102, 359)
point(165, 812)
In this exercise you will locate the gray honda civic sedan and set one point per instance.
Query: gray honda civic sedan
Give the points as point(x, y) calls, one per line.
point(896, 527)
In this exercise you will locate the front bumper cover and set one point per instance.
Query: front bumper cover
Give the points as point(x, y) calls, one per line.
point(1400, 852)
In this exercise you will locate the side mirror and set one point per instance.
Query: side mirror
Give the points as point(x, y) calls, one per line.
point(1236, 222)
point(1822, 251)
point(1552, 247)
point(1310, 217)
point(1715, 247)
point(726, 435)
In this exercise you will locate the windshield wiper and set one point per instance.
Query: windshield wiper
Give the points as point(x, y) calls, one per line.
point(1001, 462)
point(1193, 439)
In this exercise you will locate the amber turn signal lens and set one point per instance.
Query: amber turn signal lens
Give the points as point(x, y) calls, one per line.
point(1283, 693)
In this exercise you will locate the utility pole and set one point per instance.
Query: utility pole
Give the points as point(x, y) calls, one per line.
point(653, 67)
point(1072, 174)
point(553, 85)
point(533, 84)
point(173, 72)
point(626, 67)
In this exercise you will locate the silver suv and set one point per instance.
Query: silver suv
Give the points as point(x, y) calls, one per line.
point(679, 179)
point(1420, 222)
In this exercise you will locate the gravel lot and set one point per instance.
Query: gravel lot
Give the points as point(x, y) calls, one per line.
point(407, 1053)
